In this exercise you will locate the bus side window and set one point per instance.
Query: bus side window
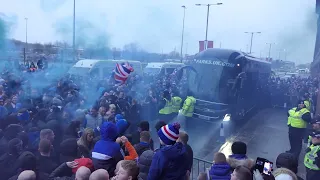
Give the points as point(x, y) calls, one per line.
point(94, 72)
point(169, 70)
point(162, 72)
point(106, 72)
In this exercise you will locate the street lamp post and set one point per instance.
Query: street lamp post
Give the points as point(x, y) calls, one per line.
point(285, 54)
point(74, 30)
point(252, 33)
point(26, 44)
point(207, 26)
point(270, 44)
point(184, 15)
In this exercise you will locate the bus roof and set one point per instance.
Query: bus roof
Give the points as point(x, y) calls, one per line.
point(161, 64)
point(88, 63)
point(225, 53)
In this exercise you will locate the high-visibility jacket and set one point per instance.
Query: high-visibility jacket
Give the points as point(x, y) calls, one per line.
point(167, 109)
point(294, 119)
point(188, 106)
point(309, 158)
point(176, 104)
point(308, 104)
point(309, 141)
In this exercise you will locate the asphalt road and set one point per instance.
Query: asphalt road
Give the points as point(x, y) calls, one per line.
point(266, 135)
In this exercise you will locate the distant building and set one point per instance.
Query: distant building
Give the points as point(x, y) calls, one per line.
point(283, 65)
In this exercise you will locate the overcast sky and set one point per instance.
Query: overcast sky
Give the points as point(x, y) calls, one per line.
point(156, 25)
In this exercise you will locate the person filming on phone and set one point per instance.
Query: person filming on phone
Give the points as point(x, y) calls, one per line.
point(298, 118)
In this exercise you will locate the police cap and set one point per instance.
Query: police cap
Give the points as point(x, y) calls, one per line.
point(316, 120)
point(315, 134)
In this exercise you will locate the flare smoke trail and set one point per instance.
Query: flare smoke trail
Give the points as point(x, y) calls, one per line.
point(299, 41)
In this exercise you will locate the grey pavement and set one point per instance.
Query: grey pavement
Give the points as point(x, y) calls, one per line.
point(266, 136)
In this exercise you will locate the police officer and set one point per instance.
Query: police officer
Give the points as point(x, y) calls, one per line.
point(176, 103)
point(188, 108)
point(315, 127)
point(306, 101)
point(312, 158)
point(298, 118)
point(165, 106)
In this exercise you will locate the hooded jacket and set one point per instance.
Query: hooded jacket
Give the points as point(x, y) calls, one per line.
point(106, 152)
point(144, 163)
point(169, 163)
point(240, 160)
point(220, 171)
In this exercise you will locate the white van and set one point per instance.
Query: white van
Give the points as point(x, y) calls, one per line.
point(101, 68)
point(162, 68)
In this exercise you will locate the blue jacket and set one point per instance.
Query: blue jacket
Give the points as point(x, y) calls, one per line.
point(169, 163)
point(106, 152)
point(220, 171)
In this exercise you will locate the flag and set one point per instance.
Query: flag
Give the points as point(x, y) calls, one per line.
point(210, 44)
point(201, 46)
point(122, 72)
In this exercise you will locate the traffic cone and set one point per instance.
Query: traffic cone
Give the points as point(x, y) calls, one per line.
point(222, 138)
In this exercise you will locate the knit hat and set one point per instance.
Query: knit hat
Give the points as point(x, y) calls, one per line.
point(83, 162)
point(239, 148)
point(122, 126)
point(169, 133)
point(118, 117)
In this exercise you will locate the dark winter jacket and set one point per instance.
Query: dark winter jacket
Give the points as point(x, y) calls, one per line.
point(141, 147)
point(144, 163)
point(169, 163)
point(189, 156)
point(84, 152)
point(220, 171)
point(7, 164)
point(46, 164)
point(106, 152)
point(68, 150)
point(63, 172)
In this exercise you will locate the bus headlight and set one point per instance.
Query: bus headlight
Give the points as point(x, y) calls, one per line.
point(227, 117)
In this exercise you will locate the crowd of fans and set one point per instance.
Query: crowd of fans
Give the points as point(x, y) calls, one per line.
point(286, 92)
point(77, 129)
point(84, 129)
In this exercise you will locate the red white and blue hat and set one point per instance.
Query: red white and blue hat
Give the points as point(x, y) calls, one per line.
point(169, 133)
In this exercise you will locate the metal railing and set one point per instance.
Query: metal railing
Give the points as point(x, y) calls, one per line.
point(199, 165)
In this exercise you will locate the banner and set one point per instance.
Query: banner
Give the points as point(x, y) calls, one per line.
point(201, 46)
point(210, 44)
point(269, 59)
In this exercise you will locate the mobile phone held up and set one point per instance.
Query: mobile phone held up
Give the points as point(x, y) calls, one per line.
point(264, 166)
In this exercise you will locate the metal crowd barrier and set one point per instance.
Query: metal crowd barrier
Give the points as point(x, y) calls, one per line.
point(199, 165)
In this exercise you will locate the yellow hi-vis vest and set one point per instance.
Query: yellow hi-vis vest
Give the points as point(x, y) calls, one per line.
point(309, 141)
point(167, 109)
point(176, 103)
point(188, 106)
point(308, 104)
point(294, 119)
point(309, 158)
